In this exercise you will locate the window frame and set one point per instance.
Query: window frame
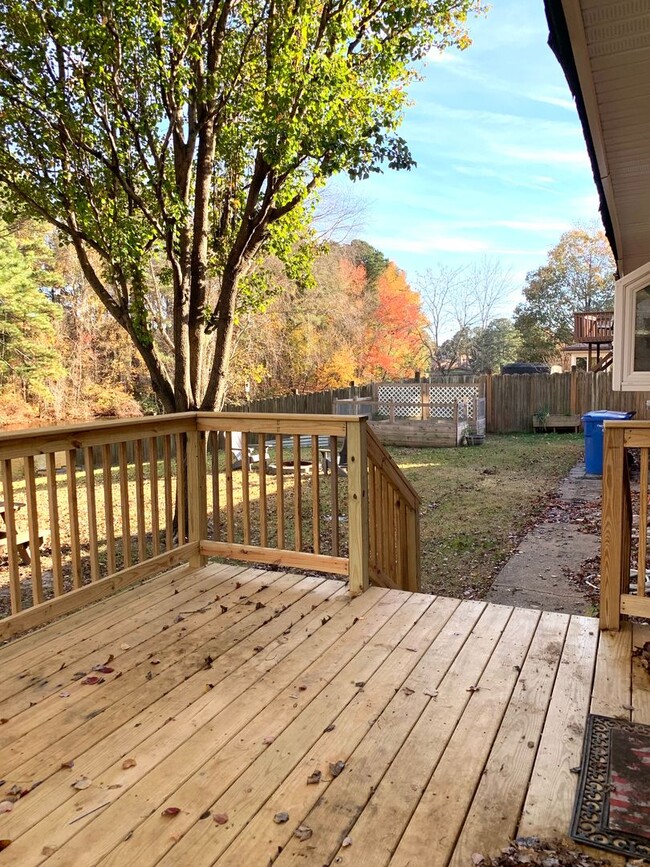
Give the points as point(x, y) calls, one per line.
point(624, 377)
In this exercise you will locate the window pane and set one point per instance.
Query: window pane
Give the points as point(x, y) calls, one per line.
point(642, 330)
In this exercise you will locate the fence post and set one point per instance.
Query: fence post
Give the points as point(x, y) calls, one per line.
point(356, 433)
point(573, 391)
point(197, 500)
point(489, 421)
point(613, 546)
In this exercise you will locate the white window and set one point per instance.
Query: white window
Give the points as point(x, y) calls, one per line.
point(631, 370)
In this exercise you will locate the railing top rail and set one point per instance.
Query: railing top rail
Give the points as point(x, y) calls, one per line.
point(628, 422)
point(35, 441)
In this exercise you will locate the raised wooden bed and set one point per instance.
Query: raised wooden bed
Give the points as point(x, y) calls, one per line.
point(415, 433)
point(557, 422)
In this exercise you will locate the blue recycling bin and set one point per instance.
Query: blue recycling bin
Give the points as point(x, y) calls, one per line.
point(593, 423)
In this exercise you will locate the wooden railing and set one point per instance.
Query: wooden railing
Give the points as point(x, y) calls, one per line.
point(394, 522)
point(593, 326)
point(93, 508)
point(624, 541)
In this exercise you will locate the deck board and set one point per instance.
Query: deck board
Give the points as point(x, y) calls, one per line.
point(458, 723)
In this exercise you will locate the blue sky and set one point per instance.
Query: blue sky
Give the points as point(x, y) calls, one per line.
point(502, 165)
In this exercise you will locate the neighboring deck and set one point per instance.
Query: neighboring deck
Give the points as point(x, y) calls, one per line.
point(458, 723)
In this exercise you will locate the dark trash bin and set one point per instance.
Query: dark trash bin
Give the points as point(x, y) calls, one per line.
point(593, 423)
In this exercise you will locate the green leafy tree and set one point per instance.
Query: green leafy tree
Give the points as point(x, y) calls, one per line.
point(193, 133)
point(498, 344)
point(30, 360)
point(577, 276)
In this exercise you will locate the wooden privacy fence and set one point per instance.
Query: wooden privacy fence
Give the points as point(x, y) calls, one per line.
point(74, 535)
point(624, 540)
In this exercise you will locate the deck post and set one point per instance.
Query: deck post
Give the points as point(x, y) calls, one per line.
point(197, 500)
point(613, 546)
point(358, 503)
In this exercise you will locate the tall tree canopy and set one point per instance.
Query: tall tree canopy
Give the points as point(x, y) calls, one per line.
point(577, 276)
point(183, 138)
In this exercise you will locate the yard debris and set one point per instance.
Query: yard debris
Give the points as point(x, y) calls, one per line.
point(268, 739)
point(643, 653)
point(303, 832)
point(407, 690)
point(128, 763)
point(220, 818)
point(281, 817)
point(91, 681)
point(472, 689)
point(81, 783)
point(6, 806)
point(171, 811)
point(347, 841)
point(336, 768)
point(64, 694)
point(432, 693)
point(533, 851)
point(67, 765)
point(329, 728)
point(125, 646)
point(314, 778)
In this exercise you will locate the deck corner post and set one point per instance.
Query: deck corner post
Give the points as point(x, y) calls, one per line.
point(613, 545)
point(358, 504)
point(197, 498)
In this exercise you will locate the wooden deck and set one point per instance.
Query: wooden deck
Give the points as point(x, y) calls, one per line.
point(458, 724)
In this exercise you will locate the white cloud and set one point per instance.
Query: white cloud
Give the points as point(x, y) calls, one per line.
point(547, 156)
point(434, 244)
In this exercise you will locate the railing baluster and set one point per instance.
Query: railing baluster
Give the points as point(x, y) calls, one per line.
point(73, 517)
point(216, 509)
point(125, 506)
point(10, 524)
point(279, 497)
point(334, 490)
point(153, 496)
point(34, 536)
point(297, 495)
point(55, 534)
point(169, 496)
point(230, 502)
point(643, 522)
point(262, 501)
point(107, 480)
point(315, 494)
point(93, 537)
point(138, 460)
point(181, 488)
point(245, 493)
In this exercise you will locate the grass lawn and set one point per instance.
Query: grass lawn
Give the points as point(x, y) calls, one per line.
point(478, 501)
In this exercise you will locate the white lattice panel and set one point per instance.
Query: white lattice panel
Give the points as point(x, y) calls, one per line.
point(401, 393)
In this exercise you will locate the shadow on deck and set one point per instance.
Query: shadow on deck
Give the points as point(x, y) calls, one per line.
point(439, 728)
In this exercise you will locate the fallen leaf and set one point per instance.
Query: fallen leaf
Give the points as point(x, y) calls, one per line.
point(125, 646)
point(268, 739)
point(347, 841)
point(314, 778)
point(477, 858)
point(302, 832)
point(91, 681)
point(407, 690)
point(149, 675)
point(302, 687)
point(4, 844)
point(6, 806)
point(104, 669)
point(224, 608)
point(209, 686)
point(413, 650)
point(155, 662)
point(64, 694)
point(171, 811)
point(220, 818)
point(205, 815)
point(258, 649)
point(360, 683)
point(260, 605)
point(81, 783)
point(68, 764)
point(79, 674)
point(281, 817)
point(46, 851)
point(109, 660)
point(330, 728)
point(115, 786)
point(336, 768)
point(129, 763)
point(432, 693)
point(473, 689)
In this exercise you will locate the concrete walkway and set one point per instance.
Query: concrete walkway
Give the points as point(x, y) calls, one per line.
point(534, 577)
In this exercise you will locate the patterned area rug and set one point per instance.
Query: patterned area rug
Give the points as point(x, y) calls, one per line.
point(612, 809)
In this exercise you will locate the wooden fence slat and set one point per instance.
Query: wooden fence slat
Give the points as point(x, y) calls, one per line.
point(153, 496)
point(230, 501)
point(315, 494)
point(334, 494)
point(169, 496)
point(297, 495)
point(245, 489)
point(279, 498)
point(262, 500)
point(181, 488)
